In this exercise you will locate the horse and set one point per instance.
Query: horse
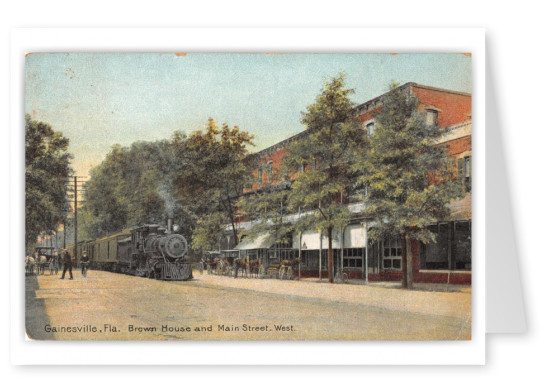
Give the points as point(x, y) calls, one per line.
point(291, 262)
point(255, 267)
point(42, 263)
point(243, 265)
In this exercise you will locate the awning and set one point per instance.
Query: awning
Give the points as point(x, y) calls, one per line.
point(261, 241)
point(460, 209)
point(354, 237)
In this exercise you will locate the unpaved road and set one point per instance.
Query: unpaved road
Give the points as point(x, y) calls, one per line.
point(107, 306)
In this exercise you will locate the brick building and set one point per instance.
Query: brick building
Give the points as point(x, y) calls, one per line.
point(447, 260)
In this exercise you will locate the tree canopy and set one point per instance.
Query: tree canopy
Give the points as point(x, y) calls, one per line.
point(212, 179)
point(131, 186)
point(47, 167)
point(410, 178)
point(194, 178)
point(323, 159)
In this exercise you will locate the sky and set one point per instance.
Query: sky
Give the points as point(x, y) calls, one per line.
point(100, 99)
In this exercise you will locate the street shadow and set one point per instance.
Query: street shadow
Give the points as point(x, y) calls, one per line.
point(35, 311)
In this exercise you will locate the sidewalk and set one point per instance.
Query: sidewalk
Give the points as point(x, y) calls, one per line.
point(431, 300)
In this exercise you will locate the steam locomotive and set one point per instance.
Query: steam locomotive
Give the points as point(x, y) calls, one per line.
point(148, 250)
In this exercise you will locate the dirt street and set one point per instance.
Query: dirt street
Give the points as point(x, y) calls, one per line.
point(107, 306)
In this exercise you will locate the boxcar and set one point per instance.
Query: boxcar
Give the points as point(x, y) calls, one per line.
point(106, 251)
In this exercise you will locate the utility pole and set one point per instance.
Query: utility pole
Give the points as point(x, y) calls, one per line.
point(76, 220)
point(73, 188)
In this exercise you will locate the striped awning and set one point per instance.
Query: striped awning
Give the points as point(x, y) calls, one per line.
point(261, 241)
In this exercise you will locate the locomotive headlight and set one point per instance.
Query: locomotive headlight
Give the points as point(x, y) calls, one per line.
point(176, 228)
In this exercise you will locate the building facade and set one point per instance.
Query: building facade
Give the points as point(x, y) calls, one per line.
point(447, 260)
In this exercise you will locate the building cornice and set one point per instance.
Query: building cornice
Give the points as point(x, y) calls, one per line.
point(358, 109)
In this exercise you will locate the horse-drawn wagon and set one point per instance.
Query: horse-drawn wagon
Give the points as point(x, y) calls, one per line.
point(43, 257)
point(283, 270)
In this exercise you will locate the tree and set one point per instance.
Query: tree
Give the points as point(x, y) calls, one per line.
point(194, 179)
point(410, 179)
point(325, 156)
point(47, 167)
point(132, 185)
point(267, 208)
point(211, 178)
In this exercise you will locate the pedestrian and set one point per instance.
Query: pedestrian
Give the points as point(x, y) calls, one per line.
point(84, 262)
point(67, 265)
point(59, 261)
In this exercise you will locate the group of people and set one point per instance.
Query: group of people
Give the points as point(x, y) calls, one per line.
point(56, 261)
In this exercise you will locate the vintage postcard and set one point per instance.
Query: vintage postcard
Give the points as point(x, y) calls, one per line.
point(248, 196)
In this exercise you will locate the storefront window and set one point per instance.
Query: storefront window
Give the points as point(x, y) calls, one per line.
point(462, 245)
point(392, 253)
point(451, 249)
point(353, 257)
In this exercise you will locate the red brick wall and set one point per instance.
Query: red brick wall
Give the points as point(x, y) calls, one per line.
point(277, 165)
point(456, 108)
point(458, 146)
point(370, 114)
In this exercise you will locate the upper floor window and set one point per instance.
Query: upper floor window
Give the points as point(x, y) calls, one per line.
point(314, 164)
point(464, 171)
point(432, 117)
point(270, 172)
point(260, 177)
point(370, 128)
point(301, 168)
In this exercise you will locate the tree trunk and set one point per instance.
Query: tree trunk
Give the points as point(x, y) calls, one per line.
point(330, 254)
point(409, 264)
point(404, 261)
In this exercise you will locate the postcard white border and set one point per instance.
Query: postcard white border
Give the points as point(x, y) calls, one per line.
point(346, 40)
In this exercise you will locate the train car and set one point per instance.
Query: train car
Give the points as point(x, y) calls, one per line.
point(106, 252)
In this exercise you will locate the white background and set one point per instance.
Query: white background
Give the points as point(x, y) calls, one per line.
point(518, 54)
point(271, 40)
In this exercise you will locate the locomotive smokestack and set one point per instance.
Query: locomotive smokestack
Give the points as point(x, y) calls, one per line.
point(169, 225)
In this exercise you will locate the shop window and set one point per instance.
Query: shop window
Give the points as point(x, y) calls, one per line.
point(435, 254)
point(353, 257)
point(311, 259)
point(462, 245)
point(392, 253)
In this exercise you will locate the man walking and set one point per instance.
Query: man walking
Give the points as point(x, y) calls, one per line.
point(67, 265)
